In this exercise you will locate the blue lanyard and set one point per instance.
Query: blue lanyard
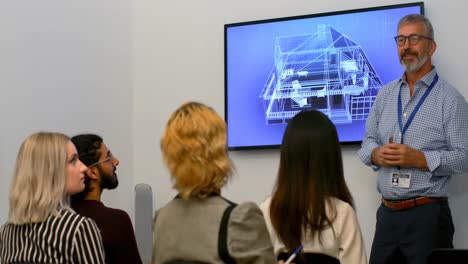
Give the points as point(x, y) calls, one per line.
point(415, 110)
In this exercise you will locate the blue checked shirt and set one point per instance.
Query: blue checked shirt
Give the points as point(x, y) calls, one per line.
point(439, 130)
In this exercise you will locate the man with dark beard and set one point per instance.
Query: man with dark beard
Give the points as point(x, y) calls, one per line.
point(116, 227)
point(416, 139)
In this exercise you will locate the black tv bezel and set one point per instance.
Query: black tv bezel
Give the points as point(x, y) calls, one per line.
point(263, 21)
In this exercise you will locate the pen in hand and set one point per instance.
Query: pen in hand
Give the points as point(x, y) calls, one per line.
point(293, 255)
point(390, 140)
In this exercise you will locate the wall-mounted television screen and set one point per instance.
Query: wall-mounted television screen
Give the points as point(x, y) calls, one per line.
point(332, 62)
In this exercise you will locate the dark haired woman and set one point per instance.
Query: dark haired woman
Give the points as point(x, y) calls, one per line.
point(311, 204)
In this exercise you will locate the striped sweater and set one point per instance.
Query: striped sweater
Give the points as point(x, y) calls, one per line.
point(68, 238)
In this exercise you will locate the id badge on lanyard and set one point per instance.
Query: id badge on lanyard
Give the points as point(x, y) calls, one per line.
point(400, 179)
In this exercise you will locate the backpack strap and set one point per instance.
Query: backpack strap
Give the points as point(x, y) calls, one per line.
point(222, 236)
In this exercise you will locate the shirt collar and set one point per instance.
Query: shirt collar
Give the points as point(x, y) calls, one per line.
point(426, 79)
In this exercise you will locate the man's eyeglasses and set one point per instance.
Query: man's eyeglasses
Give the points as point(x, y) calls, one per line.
point(413, 39)
point(109, 157)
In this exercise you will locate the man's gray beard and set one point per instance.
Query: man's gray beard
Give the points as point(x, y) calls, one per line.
point(416, 66)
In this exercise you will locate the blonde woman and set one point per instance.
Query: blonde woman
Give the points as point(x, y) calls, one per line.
point(41, 227)
point(189, 228)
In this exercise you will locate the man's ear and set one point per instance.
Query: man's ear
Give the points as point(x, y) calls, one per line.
point(432, 48)
point(92, 173)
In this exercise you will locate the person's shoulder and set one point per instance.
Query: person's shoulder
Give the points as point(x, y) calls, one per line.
point(5, 227)
point(247, 209)
point(116, 214)
point(87, 207)
point(249, 239)
point(448, 90)
point(449, 98)
point(73, 219)
point(249, 205)
point(163, 208)
point(392, 83)
point(389, 86)
point(176, 204)
point(265, 205)
point(105, 212)
point(117, 211)
point(70, 214)
point(246, 217)
point(341, 206)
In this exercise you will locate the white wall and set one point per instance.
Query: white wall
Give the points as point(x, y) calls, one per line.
point(120, 67)
point(178, 56)
point(66, 66)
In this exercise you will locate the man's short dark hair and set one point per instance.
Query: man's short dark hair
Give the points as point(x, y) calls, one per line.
point(88, 147)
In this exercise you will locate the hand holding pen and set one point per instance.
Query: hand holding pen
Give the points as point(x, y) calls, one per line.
point(293, 255)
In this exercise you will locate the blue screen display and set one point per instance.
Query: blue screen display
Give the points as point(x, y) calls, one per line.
point(335, 63)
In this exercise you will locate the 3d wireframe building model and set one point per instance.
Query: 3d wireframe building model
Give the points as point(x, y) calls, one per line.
point(325, 71)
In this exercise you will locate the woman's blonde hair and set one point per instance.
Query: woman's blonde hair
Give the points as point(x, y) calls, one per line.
point(38, 189)
point(195, 151)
